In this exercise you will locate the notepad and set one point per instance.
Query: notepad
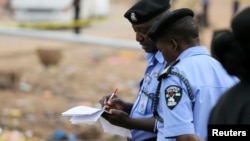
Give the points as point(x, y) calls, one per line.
point(85, 114)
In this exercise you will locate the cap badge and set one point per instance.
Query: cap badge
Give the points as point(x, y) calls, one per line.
point(133, 17)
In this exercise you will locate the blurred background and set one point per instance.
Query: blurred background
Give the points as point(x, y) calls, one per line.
point(52, 60)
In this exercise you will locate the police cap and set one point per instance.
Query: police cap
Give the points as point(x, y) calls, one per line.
point(145, 10)
point(167, 21)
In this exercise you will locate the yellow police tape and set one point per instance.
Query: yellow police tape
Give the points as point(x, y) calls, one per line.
point(72, 24)
point(242, 1)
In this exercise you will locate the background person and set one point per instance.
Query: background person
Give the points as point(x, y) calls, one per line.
point(77, 9)
point(203, 18)
point(232, 49)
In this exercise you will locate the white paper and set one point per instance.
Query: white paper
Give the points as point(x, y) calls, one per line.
point(84, 114)
point(86, 118)
point(109, 128)
point(80, 110)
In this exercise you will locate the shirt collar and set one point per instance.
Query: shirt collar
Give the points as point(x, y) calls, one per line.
point(197, 50)
point(150, 57)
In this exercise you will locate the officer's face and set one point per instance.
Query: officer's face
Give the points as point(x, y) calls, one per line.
point(168, 47)
point(142, 38)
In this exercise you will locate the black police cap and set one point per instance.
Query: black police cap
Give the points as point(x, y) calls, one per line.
point(167, 21)
point(145, 10)
point(241, 25)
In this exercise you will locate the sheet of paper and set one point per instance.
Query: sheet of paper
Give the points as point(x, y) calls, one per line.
point(76, 119)
point(84, 114)
point(80, 110)
point(110, 128)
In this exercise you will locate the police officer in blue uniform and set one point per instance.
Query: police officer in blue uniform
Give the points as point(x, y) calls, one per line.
point(138, 116)
point(191, 84)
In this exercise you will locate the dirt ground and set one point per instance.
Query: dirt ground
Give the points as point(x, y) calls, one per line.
point(83, 75)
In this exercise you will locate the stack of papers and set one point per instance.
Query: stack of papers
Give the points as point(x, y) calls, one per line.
point(84, 114)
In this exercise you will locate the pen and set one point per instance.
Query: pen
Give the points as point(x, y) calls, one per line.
point(112, 95)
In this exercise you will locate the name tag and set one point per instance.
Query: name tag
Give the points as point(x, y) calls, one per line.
point(143, 104)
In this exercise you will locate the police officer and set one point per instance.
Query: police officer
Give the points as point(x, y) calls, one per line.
point(232, 49)
point(138, 116)
point(192, 83)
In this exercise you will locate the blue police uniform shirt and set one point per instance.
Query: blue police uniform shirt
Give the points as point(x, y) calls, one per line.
point(208, 81)
point(143, 106)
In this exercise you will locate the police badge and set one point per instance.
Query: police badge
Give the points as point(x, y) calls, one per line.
point(173, 95)
point(133, 17)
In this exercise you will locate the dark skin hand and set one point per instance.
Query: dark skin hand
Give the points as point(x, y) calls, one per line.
point(118, 114)
point(115, 103)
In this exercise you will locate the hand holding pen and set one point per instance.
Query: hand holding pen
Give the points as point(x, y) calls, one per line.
point(107, 107)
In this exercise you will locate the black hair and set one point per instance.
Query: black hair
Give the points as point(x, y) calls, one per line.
point(231, 53)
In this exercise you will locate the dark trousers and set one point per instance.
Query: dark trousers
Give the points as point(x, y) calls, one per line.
point(77, 28)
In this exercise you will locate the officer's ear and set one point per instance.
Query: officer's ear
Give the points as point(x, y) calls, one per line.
point(174, 44)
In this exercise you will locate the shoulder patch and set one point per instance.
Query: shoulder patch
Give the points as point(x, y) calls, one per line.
point(173, 95)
